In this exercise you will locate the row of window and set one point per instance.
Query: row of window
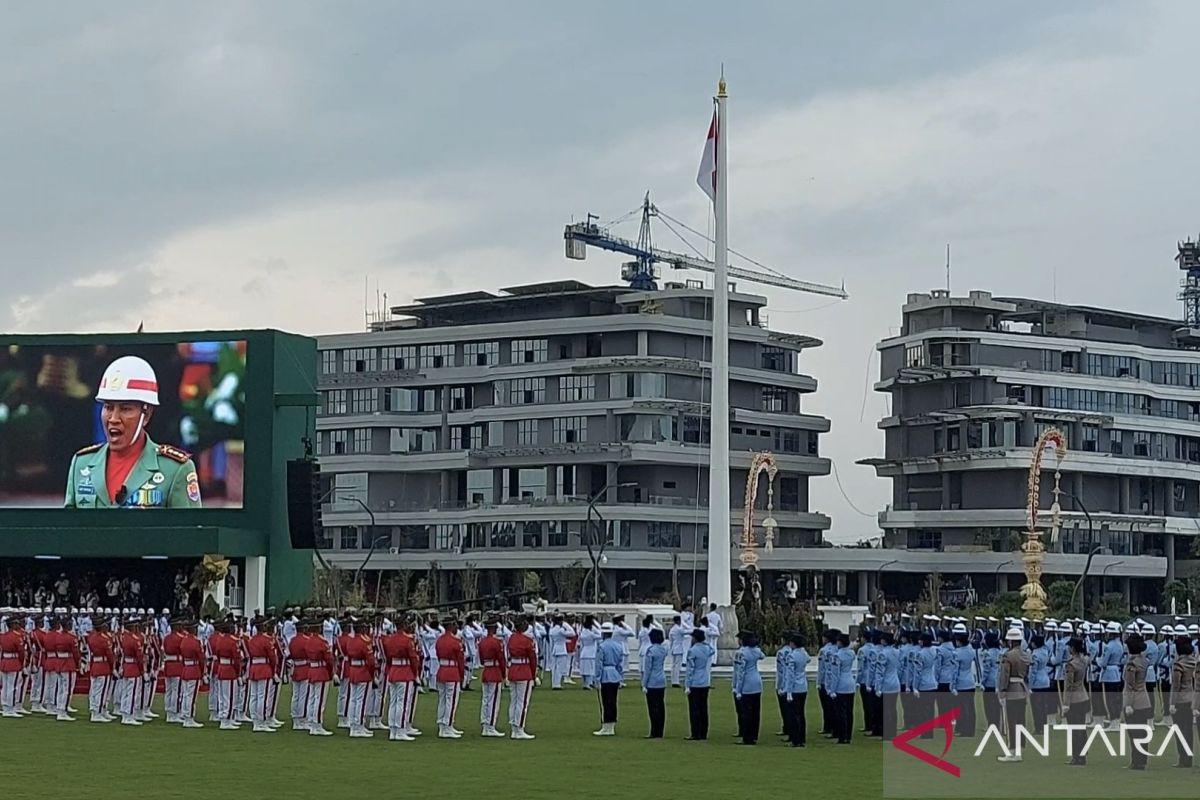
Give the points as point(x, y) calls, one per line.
point(980, 434)
point(505, 535)
point(1118, 403)
point(431, 356)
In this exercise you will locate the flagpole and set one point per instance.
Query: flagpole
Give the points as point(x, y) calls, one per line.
point(719, 590)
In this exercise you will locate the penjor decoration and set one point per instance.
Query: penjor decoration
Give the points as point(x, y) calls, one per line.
point(762, 462)
point(1034, 552)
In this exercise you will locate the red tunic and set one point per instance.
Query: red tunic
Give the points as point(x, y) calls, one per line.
point(264, 658)
point(359, 653)
point(298, 656)
point(522, 657)
point(131, 655)
point(228, 654)
point(401, 658)
point(491, 656)
point(451, 658)
point(172, 665)
point(320, 659)
point(12, 651)
point(103, 658)
point(191, 658)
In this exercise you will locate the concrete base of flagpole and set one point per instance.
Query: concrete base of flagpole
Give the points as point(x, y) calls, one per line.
point(727, 643)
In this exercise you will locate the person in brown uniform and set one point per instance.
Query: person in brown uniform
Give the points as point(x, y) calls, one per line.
point(1134, 696)
point(1075, 700)
point(1183, 697)
point(1013, 689)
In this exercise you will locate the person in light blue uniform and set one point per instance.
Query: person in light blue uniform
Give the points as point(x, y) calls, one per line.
point(747, 687)
point(654, 683)
point(1153, 656)
point(797, 691)
point(989, 670)
point(885, 685)
point(1039, 682)
point(1093, 646)
point(697, 681)
point(841, 692)
point(925, 682)
point(908, 648)
point(945, 668)
point(610, 655)
point(781, 682)
point(864, 659)
point(962, 687)
point(1112, 656)
point(824, 657)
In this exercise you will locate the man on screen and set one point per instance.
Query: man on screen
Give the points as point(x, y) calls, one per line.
point(129, 470)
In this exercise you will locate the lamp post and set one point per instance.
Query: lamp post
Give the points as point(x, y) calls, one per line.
point(996, 573)
point(1104, 575)
point(375, 540)
point(878, 587)
point(1078, 590)
point(602, 541)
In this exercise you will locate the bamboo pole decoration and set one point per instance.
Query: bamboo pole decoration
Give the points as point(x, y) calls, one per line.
point(1034, 552)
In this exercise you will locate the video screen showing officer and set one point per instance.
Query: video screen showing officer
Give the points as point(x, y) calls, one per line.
point(141, 426)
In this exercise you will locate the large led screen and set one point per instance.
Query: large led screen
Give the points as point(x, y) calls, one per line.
point(100, 426)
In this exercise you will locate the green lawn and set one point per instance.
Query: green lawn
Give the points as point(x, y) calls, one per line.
point(44, 758)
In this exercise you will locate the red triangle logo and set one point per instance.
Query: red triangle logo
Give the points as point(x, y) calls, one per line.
point(945, 721)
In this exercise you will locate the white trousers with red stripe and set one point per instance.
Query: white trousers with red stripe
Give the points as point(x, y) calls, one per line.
point(171, 697)
point(187, 700)
point(98, 691)
point(126, 697)
point(402, 705)
point(356, 704)
point(258, 701)
point(272, 698)
point(315, 703)
point(519, 693)
point(489, 709)
point(58, 691)
point(226, 699)
point(9, 699)
point(447, 702)
point(299, 701)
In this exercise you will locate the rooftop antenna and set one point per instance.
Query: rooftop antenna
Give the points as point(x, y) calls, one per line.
point(947, 268)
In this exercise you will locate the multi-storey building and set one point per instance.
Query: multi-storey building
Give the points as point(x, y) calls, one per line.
point(499, 433)
point(973, 382)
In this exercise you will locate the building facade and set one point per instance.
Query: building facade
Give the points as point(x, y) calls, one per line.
point(558, 428)
point(974, 380)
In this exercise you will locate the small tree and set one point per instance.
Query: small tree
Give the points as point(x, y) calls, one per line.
point(1113, 607)
point(469, 576)
point(1058, 596)
point(1179, 591)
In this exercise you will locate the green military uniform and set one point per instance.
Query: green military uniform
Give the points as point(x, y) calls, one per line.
point(163, 477)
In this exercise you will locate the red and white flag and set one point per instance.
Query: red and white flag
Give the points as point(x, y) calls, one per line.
point(707, 176)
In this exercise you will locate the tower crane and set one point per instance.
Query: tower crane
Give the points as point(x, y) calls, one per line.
point(641, 273)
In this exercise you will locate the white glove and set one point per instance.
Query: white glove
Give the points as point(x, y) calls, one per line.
point(1064, 712)
point(916, 692)
point(954, 692)
point(833, 695)
point(789, 697)
point(687, 690)
point(737, 695)
point(645, 690)
point(1171, 709)
point(1129, 711)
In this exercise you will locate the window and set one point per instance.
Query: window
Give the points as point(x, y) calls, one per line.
point(974, 435)
point(777, 359)
point(813, 446)
point(952, 439)
point(462, 398)
point(466, 437)
point(337, 443)
point(556, 535)
point(696, 430)
point(335, 401)
point(1141, 443)
point(1180, 498)
point(652, 384)
point(662, 535)
point(524, 484)
point(495, 434)
point(481, 354)
point(787, 441)
point(570, 430)
point(527, 391)
point(480, 487)
point(1116, 442)
point(1168, 409)
point(414, 440)
point(445, 537)
point(575, 388)
point(503, 534)
point(329, 359)
point(914, 355)
point(325, 538)
point(1069, 361)
point(962, 394)
point(362, 440)
point(397, 359)
point(413, 401)
point(789, 494)
point(527, 431)
point(565, 481)
point(529, 351)
point(925, 540)
point(774, 399)
point(1091, 438)
point(364, 401)
point(359, 360)
point(531, 534)
point(436, 356)
point(939, 439)
point(348, 539)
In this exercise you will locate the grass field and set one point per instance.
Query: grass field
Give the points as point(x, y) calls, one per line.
point(44, 758)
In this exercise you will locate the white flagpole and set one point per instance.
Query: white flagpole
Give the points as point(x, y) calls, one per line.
point(719, 590)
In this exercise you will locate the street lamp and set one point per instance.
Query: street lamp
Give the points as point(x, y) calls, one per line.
point(598, 557)
point(1104, 575)
point(375, 540)
point(878, 587)
point(1079, 583)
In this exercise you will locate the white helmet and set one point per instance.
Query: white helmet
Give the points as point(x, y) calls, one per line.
point(1167, 630)
point(959, 628)
point(1147, 629)
point(129, 378)
point(1112, 627)
point(1013, 635)
point(1193, 629)
point(1180, 630)
point(1066, 627)
point(1051, 626)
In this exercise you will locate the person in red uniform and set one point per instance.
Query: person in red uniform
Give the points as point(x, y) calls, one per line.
point(132, 667)
point(493, 678)
point(12, 662)
point(154, 661)
point(192, 663)
point(320, 673)
point(358, 652)
point(172, 671)
point(264, 660)
point(279, 677)
point(101, 667)
point(227, 654)
point(62, 659)
point(402, 665)
point(452, 663)
point(297, 666)
point(37, 659)
point(522, 670)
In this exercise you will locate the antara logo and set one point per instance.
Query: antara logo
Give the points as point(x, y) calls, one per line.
point(945, 721)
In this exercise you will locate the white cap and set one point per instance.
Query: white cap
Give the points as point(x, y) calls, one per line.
point(1066, 627)
point(959, 628)
point(1193, 628)
point(1013, 635)
point(1131, 628)
point(1167, 630)
point(129, 378)
point(992, 619)
point(607, 627)
point(1112, 627)
point(1147, 629)
point(60, 611)
point(905, 616)
point(1180, 630)
point(1051, 625)
point(166, 611)
point(141, 611)
point(933, 618)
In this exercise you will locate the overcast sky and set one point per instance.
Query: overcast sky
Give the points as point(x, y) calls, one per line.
point(233, 164)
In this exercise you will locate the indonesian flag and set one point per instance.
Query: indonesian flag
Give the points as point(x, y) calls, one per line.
point(707, 176)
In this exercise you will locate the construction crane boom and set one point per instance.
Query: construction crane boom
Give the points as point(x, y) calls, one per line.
point(641, 273)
